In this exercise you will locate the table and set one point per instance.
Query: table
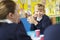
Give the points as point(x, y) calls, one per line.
point(33, 36)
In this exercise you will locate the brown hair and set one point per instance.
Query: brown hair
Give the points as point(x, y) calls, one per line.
point(41, 5)
point(6, 6)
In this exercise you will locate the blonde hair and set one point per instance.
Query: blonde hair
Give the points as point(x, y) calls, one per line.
point(3, 10)
point(6, 6)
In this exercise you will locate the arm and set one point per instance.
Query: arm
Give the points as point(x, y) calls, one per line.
point(33, 27)
point(46, 22)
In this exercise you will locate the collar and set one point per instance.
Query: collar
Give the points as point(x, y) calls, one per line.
point(39, 19)
point(6, 20)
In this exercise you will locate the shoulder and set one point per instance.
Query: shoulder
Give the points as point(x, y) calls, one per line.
point(8, 24)
point(53, 28)
point(52, 32)
point(45, 16)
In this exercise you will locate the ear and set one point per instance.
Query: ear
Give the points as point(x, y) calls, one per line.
point(10, 15)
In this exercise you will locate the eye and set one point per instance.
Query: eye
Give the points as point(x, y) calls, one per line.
point(36, 11)
point(41, 10)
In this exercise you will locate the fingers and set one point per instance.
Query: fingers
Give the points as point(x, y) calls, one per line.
point(31, 20)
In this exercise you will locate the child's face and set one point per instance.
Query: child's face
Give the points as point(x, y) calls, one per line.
point(39, 11)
